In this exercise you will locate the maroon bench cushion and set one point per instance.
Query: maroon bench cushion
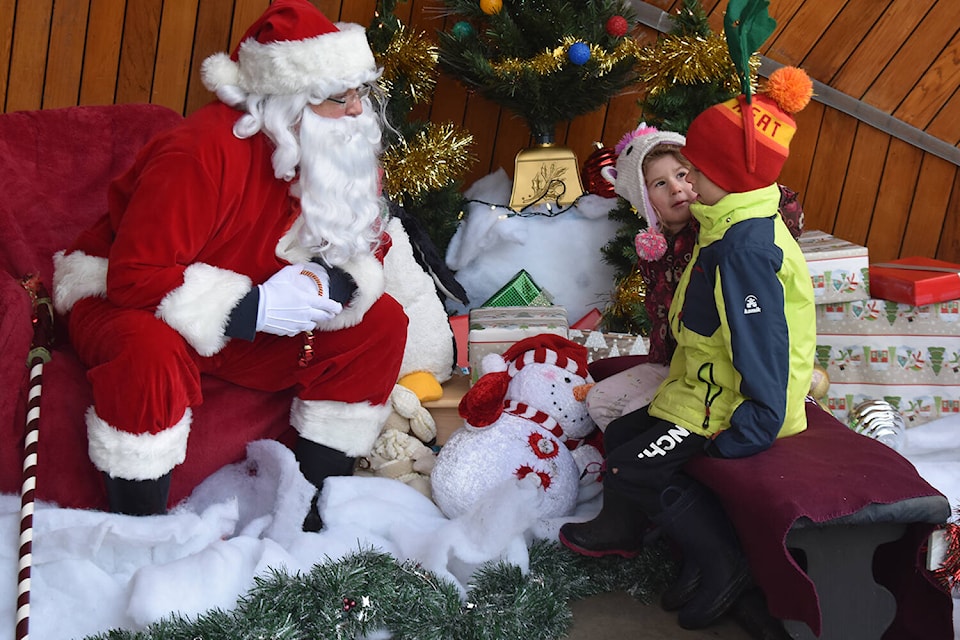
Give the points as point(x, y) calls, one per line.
point(826, 473)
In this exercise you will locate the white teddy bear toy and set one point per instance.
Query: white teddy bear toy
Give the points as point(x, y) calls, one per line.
point(525, 419)
point(401, 451)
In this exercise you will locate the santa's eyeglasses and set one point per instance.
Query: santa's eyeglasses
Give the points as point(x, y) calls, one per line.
point(347, 97)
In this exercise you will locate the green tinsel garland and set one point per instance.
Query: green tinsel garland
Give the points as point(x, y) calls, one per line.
point(369, 592)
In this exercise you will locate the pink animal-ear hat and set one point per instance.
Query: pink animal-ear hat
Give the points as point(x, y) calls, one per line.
point(483, 403)
point(627, 180)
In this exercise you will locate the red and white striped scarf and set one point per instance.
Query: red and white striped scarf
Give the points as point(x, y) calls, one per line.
point(522, 410)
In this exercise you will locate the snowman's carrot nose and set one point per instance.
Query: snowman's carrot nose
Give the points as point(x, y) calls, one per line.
point(580, 391)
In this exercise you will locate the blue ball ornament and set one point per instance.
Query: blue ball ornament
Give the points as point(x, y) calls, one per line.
point(578, 53)
point(462, 30)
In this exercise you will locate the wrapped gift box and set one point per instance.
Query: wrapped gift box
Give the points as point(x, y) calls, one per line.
point(495, 329)
point(915, 281)
point(610, 345)
point(520, 291)
point(839, 270)
point(916, 403)
point(880, 349)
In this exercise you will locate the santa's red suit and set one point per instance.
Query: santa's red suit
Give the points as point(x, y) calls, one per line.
point(192, 226)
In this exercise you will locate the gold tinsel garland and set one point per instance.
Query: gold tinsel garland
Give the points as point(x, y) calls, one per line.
point(413, 57)
point(689, 60)
point(437, 155)
point(553, 60)
point(628, 299)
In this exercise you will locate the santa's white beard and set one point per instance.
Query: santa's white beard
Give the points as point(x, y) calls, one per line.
point(338, 186)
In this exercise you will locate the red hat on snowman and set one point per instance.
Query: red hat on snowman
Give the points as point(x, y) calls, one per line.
point(482, 405)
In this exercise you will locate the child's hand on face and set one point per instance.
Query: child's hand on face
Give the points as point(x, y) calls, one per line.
point(669, 192)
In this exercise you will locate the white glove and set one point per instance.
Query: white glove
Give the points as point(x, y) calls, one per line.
point(291, 302)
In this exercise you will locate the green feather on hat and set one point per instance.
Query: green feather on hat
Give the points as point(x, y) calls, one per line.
point(746, 25)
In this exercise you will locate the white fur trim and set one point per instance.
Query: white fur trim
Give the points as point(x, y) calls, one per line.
point(146, 456)
point(77, 276)
point(367, 272)
point(219, 70)
point(291, 67)
point(200, 308)
point(348, 427)
point(429, 336)
point(493, 363)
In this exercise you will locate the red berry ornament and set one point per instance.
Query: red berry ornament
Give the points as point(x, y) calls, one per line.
point(617, 26)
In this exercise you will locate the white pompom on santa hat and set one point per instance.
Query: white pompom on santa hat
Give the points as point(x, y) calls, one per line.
point(293, 49)
point(484, 402)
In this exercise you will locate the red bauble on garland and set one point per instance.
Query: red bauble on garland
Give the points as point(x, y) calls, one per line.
point(617, 26)
point(590, 176)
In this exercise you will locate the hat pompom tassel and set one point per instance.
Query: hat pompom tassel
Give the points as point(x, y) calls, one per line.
point(791, 88)
point(650, 245)
point(482, 404)
point(219, 70)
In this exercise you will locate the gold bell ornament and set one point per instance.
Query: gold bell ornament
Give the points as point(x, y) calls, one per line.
point(545, 173)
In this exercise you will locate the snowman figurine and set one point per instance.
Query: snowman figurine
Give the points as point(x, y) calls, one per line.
point(525, 420)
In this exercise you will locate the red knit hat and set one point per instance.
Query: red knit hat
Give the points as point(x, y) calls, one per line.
point(483, 403)
point(740, 153)
point(291, 49)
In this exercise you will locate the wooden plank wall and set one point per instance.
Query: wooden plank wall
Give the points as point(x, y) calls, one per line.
point(899, 56)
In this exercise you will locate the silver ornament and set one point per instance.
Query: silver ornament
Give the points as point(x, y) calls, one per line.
point(880, 420)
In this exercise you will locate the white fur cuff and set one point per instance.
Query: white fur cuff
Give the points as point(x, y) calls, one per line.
point(348, 427)
point(200, 308)
point(129, 456)
point(77, 276)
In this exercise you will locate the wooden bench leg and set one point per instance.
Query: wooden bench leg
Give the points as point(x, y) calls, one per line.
point(839, 561)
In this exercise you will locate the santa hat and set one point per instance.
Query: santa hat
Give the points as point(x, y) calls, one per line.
point(742, 144)
point(484, 402)
point(628, 182)
point(293, 49)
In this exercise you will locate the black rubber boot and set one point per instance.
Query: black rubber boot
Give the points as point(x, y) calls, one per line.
point(694, 519)
point(683, 587)
point(137, 497)
point(618, 529)
point(317, 463)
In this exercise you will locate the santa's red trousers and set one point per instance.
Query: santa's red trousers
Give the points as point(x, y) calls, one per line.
point(144, 375)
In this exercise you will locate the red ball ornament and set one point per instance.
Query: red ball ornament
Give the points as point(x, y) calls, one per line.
point(617, 26)
point(590, 176)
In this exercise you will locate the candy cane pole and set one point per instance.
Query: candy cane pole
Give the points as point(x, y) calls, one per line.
point(39, 355)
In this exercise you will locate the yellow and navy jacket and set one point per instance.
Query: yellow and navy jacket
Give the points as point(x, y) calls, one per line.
point(743, 316)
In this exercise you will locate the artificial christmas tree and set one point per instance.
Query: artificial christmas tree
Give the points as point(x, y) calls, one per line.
point(423, 161)
point(548, 61)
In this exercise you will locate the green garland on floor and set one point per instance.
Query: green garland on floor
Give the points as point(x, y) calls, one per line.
point(368, 592)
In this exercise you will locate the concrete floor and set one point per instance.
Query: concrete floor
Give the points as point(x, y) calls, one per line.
point(619, 615)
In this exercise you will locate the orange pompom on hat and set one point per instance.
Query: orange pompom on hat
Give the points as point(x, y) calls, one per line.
point(742, 144)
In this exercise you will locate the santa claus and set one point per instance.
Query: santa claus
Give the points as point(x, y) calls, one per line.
point(247, 244)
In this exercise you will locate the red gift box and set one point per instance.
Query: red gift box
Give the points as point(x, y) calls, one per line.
point(916, 281)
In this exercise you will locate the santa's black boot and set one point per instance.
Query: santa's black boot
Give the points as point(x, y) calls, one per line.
point(618, 529)
point(695, 520)
point(137, 497)
point(317, 463)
